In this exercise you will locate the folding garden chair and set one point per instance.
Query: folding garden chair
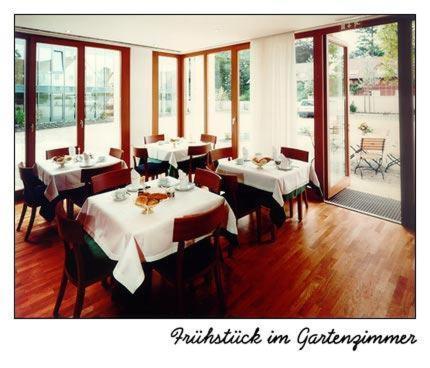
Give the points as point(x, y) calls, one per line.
point(371, 151)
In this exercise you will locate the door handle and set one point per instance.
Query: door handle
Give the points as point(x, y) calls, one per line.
point(81, 123)
point(233, 121)
point(32, 127)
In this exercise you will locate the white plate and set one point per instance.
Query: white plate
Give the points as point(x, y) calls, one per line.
point(120, 199)
point(133, 188)
point(83, 164)
point(187, 188)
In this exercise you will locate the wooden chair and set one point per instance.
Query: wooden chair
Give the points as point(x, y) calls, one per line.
point(58, 152)
point(202, 258)
point(85, 263)
point(116, 152)
point(79, 196)
point(145, 166)
point(208, 179)
point(218, 154)
point(198, 158)
point(33, 196)
point(299, 155)
point(153, 138)
point(371, 150)
point(241, 201)
point(208, 138)
point(110, 180)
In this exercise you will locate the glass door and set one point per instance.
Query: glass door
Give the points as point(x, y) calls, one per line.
point(19, 110)
point(102, 99)
point(337, 116)
point(220, 97)
point(56, 97)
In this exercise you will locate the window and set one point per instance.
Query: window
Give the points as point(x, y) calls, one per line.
point(167, 96)
point(19, 119)
point(194, 104)
point(219, 97)
point(102, 99)
point(303, 130)
point(56, 80)
point(244, 99)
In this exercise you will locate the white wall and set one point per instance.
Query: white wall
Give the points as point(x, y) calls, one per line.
point(140, 95)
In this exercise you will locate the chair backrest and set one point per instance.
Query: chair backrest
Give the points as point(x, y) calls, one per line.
point(194, 226)
point(141, 154)
point(209, 179)
point(373, 144)
point(110, 180)
point(58, 152)
point(87, 174)
point(30, 180)
point(209, 139)
point(116, 152)
point(153, 138)
point(295, 154)
point(72, 234)
point(218, 154)
point(230, 186)
point(199, 150)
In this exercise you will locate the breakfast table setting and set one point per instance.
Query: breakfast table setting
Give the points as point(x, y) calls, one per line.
point(63, 173)
point(173, 151)
point(135, 224)
point(275, 178)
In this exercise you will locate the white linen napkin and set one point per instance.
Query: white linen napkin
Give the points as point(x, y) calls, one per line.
point(72, 151)
point(275, 153)
point(135, 177)
point(285, 162)
point(183, 179)
point(245, 153)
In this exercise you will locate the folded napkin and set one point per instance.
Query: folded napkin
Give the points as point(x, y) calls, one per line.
point(245, 153)
point(183, 178)
point(72, 151)
point(135, 177)
point(285, 162)
point(275, 153)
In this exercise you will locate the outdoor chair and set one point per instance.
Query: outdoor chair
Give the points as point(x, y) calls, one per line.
point(371, 155)
point(393, 160)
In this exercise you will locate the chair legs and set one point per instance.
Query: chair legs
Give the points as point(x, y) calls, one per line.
point(21, 219)
point(305, 197)
point(60, 294)
point(290, 205)
point(79, 302)
point(69, 208)
point(30, 224)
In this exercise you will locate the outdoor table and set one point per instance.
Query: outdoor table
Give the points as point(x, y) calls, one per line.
point(123, 231)
point(58, 179)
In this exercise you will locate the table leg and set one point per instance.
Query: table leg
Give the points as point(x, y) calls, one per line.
point(299, 206)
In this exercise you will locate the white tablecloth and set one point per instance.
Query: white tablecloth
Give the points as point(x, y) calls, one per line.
point(166, 151)
point(120, 228)
point(69, 177)
point(269, 178)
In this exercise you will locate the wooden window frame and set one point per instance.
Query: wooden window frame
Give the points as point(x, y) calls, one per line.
point(30, 89)
point(406, 108)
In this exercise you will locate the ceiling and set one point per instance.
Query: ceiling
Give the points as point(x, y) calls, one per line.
point(180, 33)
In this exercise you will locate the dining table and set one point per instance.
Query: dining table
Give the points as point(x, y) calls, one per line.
point(62, 178)
point(129, 236)
point(171, 152)
point(270, 178)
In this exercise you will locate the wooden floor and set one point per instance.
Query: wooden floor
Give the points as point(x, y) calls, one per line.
point(336, 263)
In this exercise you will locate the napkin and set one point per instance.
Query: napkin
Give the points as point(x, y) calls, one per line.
point(183, 179)
point(135, 177)
point(72, 151)
point(275, 153)
point(245, 153)
point(285, 162)
point(86, 157)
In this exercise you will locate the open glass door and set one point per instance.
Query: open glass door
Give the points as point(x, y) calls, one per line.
point(337, 117)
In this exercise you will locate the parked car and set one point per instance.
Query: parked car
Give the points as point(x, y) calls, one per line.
point(306, 109)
